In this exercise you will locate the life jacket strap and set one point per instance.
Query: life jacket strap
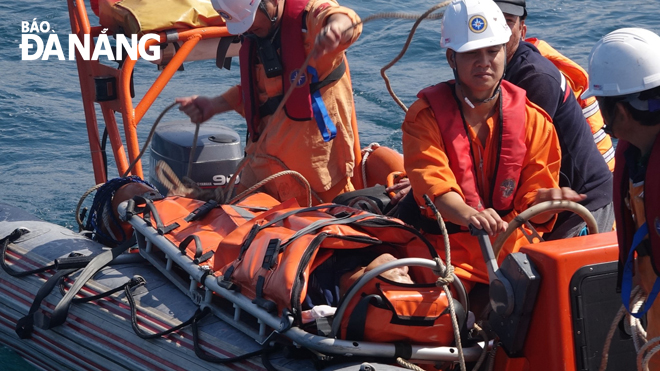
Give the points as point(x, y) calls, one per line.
point(270, 106)
point(626, 284)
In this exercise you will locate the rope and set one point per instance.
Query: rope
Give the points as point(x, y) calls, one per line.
point(639, 335)
point(446, 277)
point(171, 181)
point(296, 175)
point(365, 154)
point(193, 149)
point(643, 358)
point(638, 332)
point(396, 59)
point(149, 137)
point(484, 352)
point(411, 366)
point(610, 334)
point(101, 217)
point(82, 199)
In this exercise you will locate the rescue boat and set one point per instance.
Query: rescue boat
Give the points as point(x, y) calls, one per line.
point(180, 283)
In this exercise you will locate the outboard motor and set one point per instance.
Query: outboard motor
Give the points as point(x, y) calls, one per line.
point(216, 157)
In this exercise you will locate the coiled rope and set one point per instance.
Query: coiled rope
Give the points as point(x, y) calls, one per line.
point(101, 218)
point(638, 334)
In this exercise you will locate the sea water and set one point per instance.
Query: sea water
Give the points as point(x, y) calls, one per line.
point(45, 163)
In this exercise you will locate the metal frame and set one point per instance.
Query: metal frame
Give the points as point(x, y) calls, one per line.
point(131, 115)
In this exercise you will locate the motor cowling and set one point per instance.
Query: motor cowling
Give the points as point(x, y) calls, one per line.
point(217, 154)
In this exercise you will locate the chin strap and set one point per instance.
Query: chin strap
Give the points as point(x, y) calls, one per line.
point(478, 102)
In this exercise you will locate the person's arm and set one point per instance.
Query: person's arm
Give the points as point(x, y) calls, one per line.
point(331, 27)
point(202, 108)
point(336, 32)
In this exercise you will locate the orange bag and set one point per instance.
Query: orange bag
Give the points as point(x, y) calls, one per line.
point(387, 311)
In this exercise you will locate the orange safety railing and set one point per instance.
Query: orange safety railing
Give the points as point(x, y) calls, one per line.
point(130, 114)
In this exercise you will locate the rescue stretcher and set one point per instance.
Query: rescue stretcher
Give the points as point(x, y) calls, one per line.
point(208, 290)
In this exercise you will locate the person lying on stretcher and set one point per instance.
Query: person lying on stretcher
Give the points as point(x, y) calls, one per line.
point(331, 280)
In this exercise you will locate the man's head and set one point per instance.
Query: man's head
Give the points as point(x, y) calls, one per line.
point(513, 7)
point(474, 33)
point(624, 75)
point(254, 16)
point(515, 12)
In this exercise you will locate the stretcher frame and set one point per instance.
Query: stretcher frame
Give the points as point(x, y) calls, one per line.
point(204, 290)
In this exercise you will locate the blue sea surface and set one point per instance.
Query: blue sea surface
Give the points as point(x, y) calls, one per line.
point(45, 163)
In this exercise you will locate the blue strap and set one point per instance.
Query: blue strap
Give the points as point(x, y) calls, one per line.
point(583, 232)
point(626, 284)
point(323, 121)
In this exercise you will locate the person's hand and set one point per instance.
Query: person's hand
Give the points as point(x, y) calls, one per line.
point(333, 34)
point(488, 220)
point(400, 190)
point(554, 194)
point(198, 108)
point(557, 194)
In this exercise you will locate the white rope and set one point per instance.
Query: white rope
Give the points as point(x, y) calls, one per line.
point(638, 331)
point(365, 154)
point(643, 358)
point(446, 273)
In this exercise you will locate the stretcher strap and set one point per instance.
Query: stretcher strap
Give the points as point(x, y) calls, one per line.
point(199, 315)
point(323, 223)
point(62, 309)
point(626, 283)
point(136, 326)
point(147, 211)
point(12, 237)
point(25, 325)
point(201, 211)
point(358, 319)
point(198, 245)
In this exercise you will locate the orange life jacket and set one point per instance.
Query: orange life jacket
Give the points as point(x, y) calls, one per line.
point(578, 79)
point(512, 148)
point(305, 102)
point(626, 226)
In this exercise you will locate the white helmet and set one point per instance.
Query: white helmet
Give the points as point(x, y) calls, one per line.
point(238, 14)
point(623, 62)
point(473, 24)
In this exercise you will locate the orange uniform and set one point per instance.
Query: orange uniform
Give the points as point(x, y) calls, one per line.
point(427, 166)
point(297, 145)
